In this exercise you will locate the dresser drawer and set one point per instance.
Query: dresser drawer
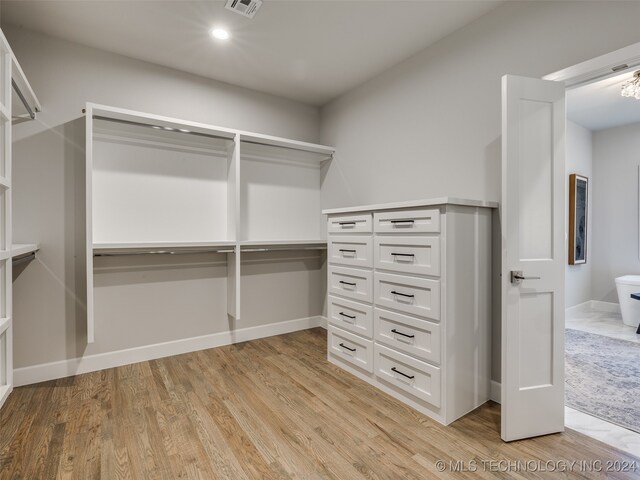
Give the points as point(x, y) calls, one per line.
point(407, 221)
point(355, 250)
point(417, 255)
point(352, 316)
point(350, 282)
point(411, 335)
point(417, 296)
point(351, 348)
point(413, 376)
point(350, 223)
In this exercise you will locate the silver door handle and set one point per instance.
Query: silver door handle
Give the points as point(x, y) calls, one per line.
point(517, 276)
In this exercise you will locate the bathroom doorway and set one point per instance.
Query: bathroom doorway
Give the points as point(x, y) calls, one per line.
point(602, 348)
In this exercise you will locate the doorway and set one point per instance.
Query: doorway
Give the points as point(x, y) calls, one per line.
point(602, 348)
point(534, 250)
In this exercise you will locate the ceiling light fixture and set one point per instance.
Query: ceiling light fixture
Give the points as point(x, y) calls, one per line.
point(632, 87)
point(219, 33)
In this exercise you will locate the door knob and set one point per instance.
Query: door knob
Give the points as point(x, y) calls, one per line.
point(517, 276)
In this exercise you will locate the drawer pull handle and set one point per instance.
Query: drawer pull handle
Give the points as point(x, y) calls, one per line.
point(403, 255)
point(403, 334)
point(410, 377)
point(351, 284)
point(346, 223)
point(352, 317)
point(402, 294)
point(345, 250)
point(402, 221)
point(350, 349)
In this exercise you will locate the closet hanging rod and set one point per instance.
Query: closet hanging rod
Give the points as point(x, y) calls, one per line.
point(282, 249)
point(157, 127)
point(24, 258)
point(289, 147)
point(162, 252)
point(30, 111)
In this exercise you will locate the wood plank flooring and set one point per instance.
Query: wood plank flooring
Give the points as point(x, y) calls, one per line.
point(270, 408)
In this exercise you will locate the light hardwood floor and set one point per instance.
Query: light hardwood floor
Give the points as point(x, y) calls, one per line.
point(270, 408)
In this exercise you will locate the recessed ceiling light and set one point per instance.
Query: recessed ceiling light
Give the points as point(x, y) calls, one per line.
point(184, 130)
point(156, 127)
point(219, 33)
point(169, 129)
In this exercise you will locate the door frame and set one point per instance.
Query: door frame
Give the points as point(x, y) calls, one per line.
point(597, 68)
point(592, 70)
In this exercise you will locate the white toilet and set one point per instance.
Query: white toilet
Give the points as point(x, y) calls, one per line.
point(629, 307)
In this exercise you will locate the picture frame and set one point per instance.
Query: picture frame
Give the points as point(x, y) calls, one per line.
point(578, 218)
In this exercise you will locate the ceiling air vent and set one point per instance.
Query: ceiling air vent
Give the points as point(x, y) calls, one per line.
point(246, 8)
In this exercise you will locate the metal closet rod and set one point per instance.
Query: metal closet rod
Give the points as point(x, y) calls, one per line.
point(27, 257)
point(217, 250)
point(281, 249)
point(32, 114)
point(184, 131)
point(161, 252)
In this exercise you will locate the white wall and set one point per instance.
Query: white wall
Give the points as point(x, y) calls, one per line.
point(616, 159)
point(431, 125)
point(144, 300)
point(580, 161)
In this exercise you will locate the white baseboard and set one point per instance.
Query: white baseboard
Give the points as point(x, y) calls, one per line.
point(583, 307)
point(593, 306)
point(92, 363)
point(496, 392)
point(607, 307)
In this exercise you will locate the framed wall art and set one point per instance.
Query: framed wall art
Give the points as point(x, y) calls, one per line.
point(578, 204)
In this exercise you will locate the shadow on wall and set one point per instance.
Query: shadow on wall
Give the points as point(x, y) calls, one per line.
point(56, 219)
point(493, 162)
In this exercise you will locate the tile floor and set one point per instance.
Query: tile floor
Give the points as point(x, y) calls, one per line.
point(608, 324)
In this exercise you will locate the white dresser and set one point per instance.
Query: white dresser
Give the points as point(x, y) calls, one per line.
point(409, 305)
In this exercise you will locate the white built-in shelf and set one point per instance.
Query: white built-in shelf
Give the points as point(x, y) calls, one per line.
point(153, 177)
point(5, 183)
point(432, 202)
point(282, 244)
point(148, 119)
point(260, 139)
point(18, 249)
point(23, 84)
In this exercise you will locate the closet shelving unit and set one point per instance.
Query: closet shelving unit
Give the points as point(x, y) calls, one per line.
point(160, 185)
point(16, 96)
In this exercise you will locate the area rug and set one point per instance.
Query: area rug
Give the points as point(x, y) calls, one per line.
point(602, 376)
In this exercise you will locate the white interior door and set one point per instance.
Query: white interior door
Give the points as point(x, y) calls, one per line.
point(533, 232)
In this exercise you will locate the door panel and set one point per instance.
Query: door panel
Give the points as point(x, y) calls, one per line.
point(532, 217)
